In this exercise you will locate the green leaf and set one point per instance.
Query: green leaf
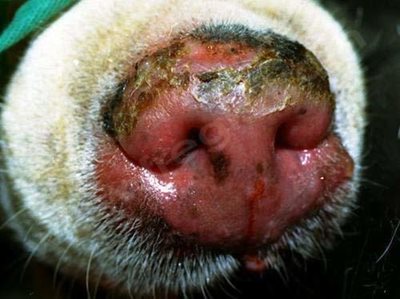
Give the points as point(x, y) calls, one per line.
point(31, 16)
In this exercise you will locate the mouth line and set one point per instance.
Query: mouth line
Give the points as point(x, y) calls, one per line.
point(322, 224)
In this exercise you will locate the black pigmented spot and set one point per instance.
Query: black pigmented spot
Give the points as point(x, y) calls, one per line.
point(302, 111)
point(260, 168)
point(220, 165)
point(194, 212)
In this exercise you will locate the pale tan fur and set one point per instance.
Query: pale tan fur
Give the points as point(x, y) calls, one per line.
point(51, 115)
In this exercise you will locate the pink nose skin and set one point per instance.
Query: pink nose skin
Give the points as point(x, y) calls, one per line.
point(227, 142)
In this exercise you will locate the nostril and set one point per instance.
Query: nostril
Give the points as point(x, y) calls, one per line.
point(304, 127)
point(204, 137)
point(192, 142)
point(163, 148)
point(194, 135)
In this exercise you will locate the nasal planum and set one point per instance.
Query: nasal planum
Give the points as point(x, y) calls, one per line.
point(227, 139)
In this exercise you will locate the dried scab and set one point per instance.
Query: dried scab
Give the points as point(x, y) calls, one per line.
point(218, 85)
point(277, 61)
point(268, 67)
point(126, 115)
point(108, 110)
point(208, 76)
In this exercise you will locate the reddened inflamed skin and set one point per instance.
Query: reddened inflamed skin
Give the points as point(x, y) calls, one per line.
point(158, 147)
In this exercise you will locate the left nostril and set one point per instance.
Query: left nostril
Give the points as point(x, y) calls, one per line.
point(194, 135)
point(183, 149)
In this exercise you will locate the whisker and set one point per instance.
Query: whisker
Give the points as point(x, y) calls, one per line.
point(97, 285)
point(88, 273)
point(26, 237)
point(13, 217)
point(33, 253)
point(60, 260)
point(390, 243)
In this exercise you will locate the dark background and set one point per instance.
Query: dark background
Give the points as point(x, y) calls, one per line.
point(366, 263)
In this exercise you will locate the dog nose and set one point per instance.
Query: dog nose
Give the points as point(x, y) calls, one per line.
point(240, 132)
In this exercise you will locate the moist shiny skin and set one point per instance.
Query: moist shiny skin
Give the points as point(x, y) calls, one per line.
point(227, 141)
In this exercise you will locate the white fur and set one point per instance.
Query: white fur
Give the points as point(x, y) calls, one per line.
point(51, 114)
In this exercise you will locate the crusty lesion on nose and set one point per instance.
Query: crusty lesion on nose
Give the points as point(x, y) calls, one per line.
point(222, 118)
point(230, 69)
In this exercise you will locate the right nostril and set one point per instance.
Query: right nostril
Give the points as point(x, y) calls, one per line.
point(205, 137)
point(304, 128)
